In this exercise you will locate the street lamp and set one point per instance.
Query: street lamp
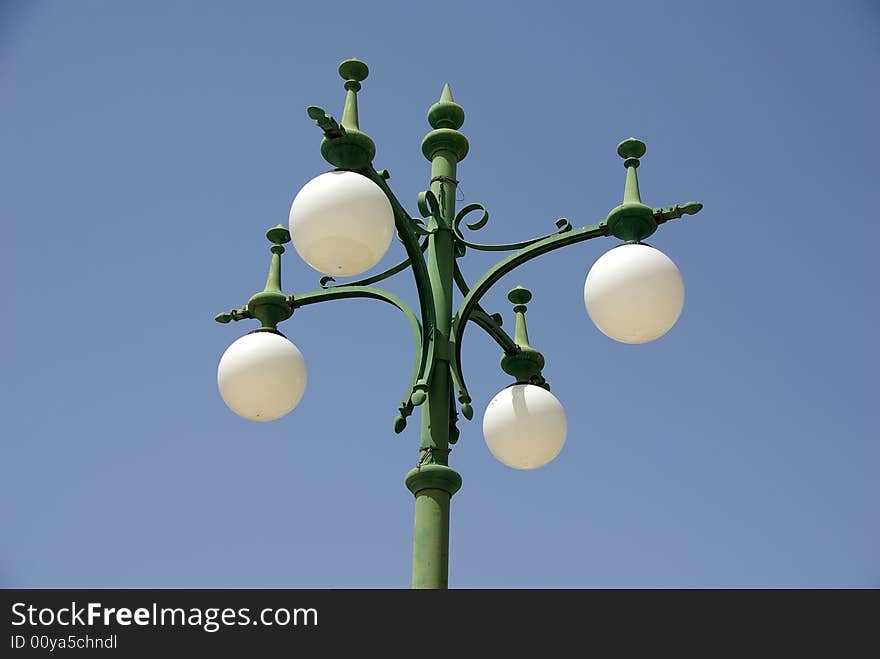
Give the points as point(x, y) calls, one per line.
point(343, 222)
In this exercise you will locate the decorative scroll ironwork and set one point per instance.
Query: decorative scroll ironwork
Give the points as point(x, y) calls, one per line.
point(407, 235)
point(496, 272)
point(428, 205)
point(562, 225)
point(407, 231)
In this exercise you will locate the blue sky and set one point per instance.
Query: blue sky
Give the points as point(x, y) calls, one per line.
point(146, 148)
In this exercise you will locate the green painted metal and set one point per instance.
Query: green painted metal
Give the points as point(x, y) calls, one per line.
point(632, 220)
point(490, 323)
point(667, 213)
point(471, 300)
point(562, 226)
point(270, 306)
point(433, 486)
point(526, 364)
point(434, 482)
point(421, 355)
point(393, 270)
point(407, 234)
point(445, 117)
point(345, 145)
point(437, 380)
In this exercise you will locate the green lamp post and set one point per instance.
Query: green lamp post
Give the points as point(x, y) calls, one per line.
point(343, 222)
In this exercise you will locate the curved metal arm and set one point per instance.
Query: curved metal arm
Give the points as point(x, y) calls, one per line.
point(375, 278)
point(493, 329)
point(562, 224)
point(421, 365)
point(490, 324)
point(407, 234)
point(471, 299)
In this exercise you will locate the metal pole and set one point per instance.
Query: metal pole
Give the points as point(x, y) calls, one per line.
point(433, 482)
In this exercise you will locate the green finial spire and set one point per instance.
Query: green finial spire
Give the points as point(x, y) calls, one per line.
point(520, 296)
point(632, 220)
point(346, 146)
point(353, 71)
point(445, 117)
point(525, 364)
point(277, 235)
point(271, 306)
point(631, 150)
point(446, 113)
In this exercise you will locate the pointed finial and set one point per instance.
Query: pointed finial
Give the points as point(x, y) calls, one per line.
point(347, 147)
point(526, 364)
point(446, 117)
point(446, 113)
point(352, 71)
point(632, 220)
point(271, 305)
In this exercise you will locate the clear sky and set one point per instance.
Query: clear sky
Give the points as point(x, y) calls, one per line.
point(146, 147)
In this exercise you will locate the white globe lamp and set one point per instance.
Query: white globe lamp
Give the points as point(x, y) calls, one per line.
point(341, 223)
point(634, 293)
point(525, 426)
point(262, 376)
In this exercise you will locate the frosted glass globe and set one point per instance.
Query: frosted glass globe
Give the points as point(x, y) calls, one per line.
point(261, 376)
point(525, 426)
point(634, 293)
point(341, 223)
